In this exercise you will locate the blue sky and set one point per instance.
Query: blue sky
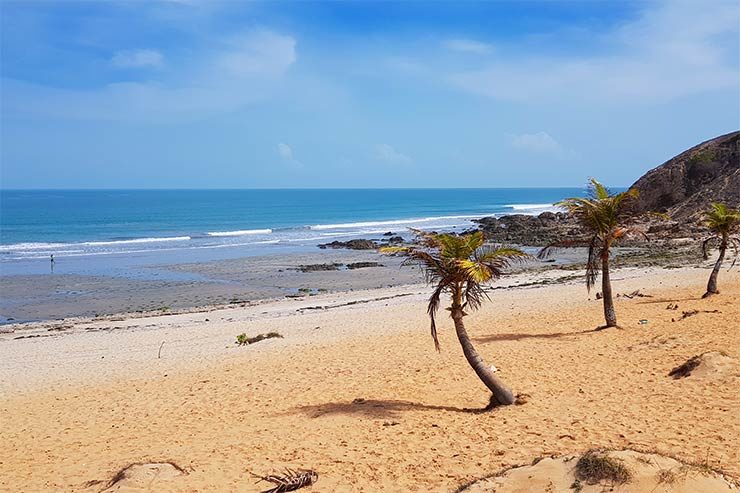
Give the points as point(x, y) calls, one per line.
point(200, 94)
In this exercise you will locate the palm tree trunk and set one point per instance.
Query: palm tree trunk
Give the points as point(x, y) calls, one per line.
point(712, 284)
point(501, 393)
point(606, 290)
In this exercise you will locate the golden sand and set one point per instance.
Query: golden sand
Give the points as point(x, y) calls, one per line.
point(358, 393)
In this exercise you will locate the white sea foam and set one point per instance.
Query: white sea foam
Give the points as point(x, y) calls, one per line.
point(255, 237)
point(23, 247)
point(393, 222)
point(243, 232)
point(532, 209)
point(518, 207)
point(134, 241)
point(31, 246)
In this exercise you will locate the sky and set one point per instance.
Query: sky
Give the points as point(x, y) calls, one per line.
point(359, 94)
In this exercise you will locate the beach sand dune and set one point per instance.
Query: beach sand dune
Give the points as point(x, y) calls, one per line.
point(358, 394)
point(623, 470)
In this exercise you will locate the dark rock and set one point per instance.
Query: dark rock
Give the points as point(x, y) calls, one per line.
point(522, 229)
point(317, 267)
point(351, 244)
point(395, 240)
point(389, 233)
point(362, 265)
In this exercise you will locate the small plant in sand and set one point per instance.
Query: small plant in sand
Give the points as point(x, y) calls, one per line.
point(722, 223)
point(459, 266)
point(244, 340)
point(604, 218)
point(596, 466)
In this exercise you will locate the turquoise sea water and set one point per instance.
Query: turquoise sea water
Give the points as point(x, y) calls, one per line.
point(116, 227)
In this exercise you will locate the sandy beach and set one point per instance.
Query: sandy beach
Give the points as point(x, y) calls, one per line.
point(355, 390)
point(369, 247)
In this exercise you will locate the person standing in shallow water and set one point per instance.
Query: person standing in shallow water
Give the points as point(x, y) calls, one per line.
point(52, 262)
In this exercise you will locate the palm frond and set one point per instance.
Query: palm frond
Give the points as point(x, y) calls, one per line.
point(499, 258)
point(546, 251)
point(705, 246)
point(593, 264)
point(474, 294)
point(432, 309)
point(722, 220)
point(734, 243)
point(394, 250)
point(456, 264)
point(597, 190)
point(476, 271)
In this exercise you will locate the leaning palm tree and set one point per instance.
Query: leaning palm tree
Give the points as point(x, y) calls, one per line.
point(459, 266)
point(722, 222)
point(604, 217)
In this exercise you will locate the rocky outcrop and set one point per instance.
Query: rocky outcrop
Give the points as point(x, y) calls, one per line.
point(684, 186)
point(351, 245)
point(522, 229)
point(364, 244)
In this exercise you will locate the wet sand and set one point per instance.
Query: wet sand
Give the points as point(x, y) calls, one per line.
point(195, 286)
point(57, 296)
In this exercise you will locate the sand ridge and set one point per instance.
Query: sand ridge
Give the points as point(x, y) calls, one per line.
point(364, 399)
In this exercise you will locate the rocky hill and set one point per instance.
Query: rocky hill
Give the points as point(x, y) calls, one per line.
point(684, 186)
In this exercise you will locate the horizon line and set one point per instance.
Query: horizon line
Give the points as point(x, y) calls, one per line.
point(186, 189)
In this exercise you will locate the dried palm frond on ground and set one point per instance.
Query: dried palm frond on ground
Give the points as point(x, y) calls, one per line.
point(290, 480)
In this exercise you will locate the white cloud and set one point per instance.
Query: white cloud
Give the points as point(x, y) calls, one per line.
point(285, 151)
point(467, 46)
point(258, 53)
point(286, 154)
point(137, 59)
point(540, 142)
point(237, 72)
point(673, 50)
point(387, 153)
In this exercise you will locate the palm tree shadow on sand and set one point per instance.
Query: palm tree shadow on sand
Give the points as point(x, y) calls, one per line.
point(379, 408)
point(658, 301)
point(518, 336)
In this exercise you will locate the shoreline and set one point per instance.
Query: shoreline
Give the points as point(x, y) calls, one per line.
point(227, 321)
point(204, 286)
point(357, 392)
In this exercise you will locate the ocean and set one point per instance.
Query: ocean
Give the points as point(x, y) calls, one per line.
point(96, 231)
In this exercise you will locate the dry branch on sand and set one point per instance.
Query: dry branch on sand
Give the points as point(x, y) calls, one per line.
point(290, 480)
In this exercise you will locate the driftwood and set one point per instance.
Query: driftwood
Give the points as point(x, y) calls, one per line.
point(290, 480)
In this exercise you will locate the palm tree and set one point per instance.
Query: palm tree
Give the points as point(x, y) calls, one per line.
point(722, 222)
point(603, 216)
point(459, 266)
